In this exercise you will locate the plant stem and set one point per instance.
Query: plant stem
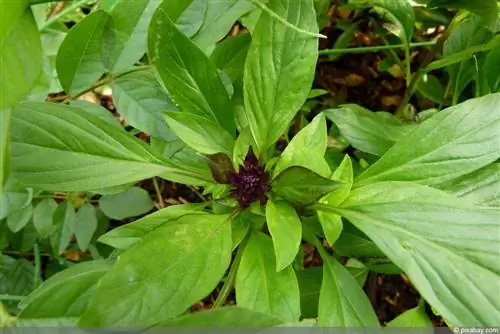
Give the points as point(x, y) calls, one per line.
point(285, 22)
point(109, 79)
point(231, 276)
point(374, 48)
point(12, 297)
point(159, 197)
point(62, 13)
point(38, 264)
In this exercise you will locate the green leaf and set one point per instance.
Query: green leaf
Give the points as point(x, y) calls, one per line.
point(279, 69)
point(140, 99)
point(199, 133)
point(67, 293)
point(42, 217)
point(469, 33)
point(448, 248)
point(481, 187)
point(5, 116)
point(260, 287)
point(64, 221)
point(307, 149)
point(20, 52)
point(191, 19)
point(125, 35)
point(189, 77)
point(48, 322)
point(302, 186)
point(220, 16)
point(16, 278)
point(487, 9)
point(79, 62)
point(367, 131)
point(195, 252)
point(46, 155)
point(14, 198)
point(85, 225)
point(286, 231)
point(97, 111)
point(230, 55)
point(130, 203)
point(454, 142)
point(332, 223)
point(342, 302)
point(462, 55)
point(354, 243)
point(310, 284)
point(430, 87)
point(17, 220)
point(127, 235)
point(232, 316)
point(414, 318)
point(492, 68)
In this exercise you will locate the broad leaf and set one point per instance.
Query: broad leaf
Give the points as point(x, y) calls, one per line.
point(66, 294)
point(332, 223)
point(79, 62)
point(367, 131)
point(487, 9)
point(64, 226)
point(189, 77)
point(230, 55)
point(127, 235)
point(85, 226)
point(492, 68)
point(260, 287)
point(125, 35)
point(286, 231)
point(430, 87)
point(16, 278)
point(96, 110)
point(302, 186)
point(14, 198)
point(342, 302)
point(415, 317)
point(42, 217)
point(17, 220)
point(140, 99)
point(279, 69)
point(232, 316)
point(20, 52)
point(310, 285)
point(448, 248)
point(481, 187)
point(132, 202)
point(307, 149)
point(199, 133)
point(454, 142)
point(45, 153)
point(180, 262)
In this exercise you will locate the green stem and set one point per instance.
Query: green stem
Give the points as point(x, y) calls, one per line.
point(12, 297)
point(159, 197)
point(62, 13)
point(378, 48)
point(231, 276)
point(285, 22)
point(38, 264)
point(108, 80)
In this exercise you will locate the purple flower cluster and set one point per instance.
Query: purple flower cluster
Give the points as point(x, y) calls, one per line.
point(251, 183)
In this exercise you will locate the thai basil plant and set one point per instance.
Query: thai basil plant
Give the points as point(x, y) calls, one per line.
point(422, 200)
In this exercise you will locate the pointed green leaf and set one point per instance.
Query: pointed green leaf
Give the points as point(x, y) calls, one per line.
point(46, 155)
point(133, 202)
point(286, 231)
point(414, 318)
point(367, 131)
point(66, 294)
point(189, 77)
point(448, 248)
point(173, 267)
point(307, 149)
point(64, 221)
point(302, 186)
point(79, 62)
point(260, 287)
point(310, 284)
point(17, 220)
point(279, 69)
point(230, 55)
point(85, 226)
point(487, 9)
point(454, 142)
point(14, 198)
point(342, 302)
point(16, 278)
point(42, 217)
